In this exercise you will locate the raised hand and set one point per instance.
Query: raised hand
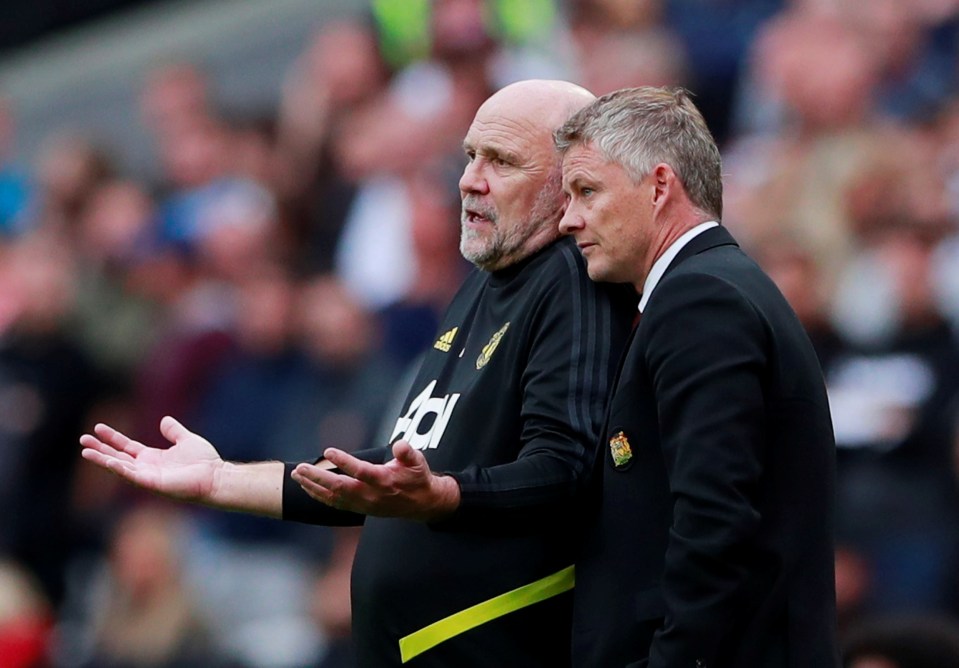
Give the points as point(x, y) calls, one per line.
point(187, 470)
point(403, 487)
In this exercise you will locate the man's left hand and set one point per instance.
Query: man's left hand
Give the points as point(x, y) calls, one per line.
point(403, 487)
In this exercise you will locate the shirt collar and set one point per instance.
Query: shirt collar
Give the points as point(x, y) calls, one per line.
point(663, 261)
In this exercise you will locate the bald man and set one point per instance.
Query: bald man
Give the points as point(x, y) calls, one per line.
point(465, 556)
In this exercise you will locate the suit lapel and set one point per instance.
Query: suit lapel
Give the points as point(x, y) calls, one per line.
point(711, 238)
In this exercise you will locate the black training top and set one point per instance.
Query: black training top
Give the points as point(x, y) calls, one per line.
point(509, 401)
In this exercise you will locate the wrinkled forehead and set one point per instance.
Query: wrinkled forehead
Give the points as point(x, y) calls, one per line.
point(518, 128)
point(584, 161)
point(507, 136)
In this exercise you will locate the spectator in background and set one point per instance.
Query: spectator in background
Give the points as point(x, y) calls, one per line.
point(233, 231)
point(913, 46)
point(793, 180)
point(592, 21)
point(409, 324)
point(893, 401)
point(340, 398)
point(47, 386)
point(175, 370)
point(196, 161)
point(115, 238)
point(622, 60)
point(175, 94)
point(237, 231)
point(422, 116)
point(483, 40)
point(625, 44)
point(142, 611)
point(917, 44)
point(252, 385)
point(258, 159)
point(339, 74)
point(69, 168)
point(374, 254)
point(718, 37)
point(426, 109)
point(16, 191)
point(793, 268)
point(26, 619)
point(209, 169)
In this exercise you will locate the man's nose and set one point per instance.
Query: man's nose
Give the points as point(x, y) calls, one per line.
point(571, 220)
point(473, 180)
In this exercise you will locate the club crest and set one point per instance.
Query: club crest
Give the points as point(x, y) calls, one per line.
point(490, 347)
point(620, 449)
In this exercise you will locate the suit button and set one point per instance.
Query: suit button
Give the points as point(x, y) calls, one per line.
point(700, 663)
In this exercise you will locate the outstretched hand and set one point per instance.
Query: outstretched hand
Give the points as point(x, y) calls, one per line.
point(187, 470)
point(403, 487)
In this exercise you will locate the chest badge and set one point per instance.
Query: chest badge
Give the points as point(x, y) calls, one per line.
point(620, 449)
point(490, 347)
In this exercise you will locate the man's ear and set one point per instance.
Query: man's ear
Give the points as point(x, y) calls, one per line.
point(664, 181)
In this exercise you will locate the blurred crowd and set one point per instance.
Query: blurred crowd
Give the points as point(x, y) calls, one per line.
point(274, 285)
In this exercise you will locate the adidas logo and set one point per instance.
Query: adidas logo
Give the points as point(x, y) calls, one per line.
point(445, 342)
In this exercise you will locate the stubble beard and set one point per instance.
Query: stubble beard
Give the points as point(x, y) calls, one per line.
point(486, 247)
point(498, 247)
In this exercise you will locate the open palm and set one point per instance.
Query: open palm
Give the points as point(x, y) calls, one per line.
point(187, 470)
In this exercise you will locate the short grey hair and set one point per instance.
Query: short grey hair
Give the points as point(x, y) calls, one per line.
point(639, 128)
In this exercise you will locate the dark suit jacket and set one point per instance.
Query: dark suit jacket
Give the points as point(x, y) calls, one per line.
point(710, 537)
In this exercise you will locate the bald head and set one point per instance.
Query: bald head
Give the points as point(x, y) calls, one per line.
point(541, 104)
point(512, 187)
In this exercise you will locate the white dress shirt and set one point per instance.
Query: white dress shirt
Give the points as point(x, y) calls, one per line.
point(664, 260)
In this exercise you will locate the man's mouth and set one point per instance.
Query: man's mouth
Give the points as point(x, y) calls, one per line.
point(476, 217)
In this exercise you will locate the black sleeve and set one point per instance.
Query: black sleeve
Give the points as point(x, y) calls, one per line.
point(706, 351)
point(577, 335)
point(298, 506)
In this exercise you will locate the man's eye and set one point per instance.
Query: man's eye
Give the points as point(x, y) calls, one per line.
point(498, 161)
point(586, 191)
point(471, 156)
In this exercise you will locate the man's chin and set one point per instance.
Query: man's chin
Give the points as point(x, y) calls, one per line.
point(475, 253)
point(596, 271)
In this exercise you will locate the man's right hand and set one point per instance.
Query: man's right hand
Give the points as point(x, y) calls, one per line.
point(188, 470)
